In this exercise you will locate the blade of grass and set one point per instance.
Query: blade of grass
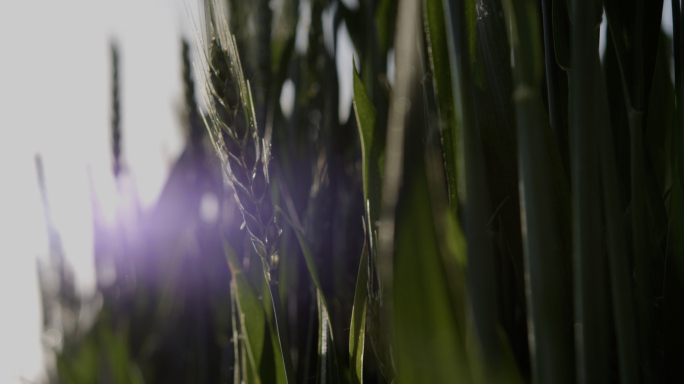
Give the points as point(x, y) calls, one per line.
point(276, 342)
point(632, 27)
point(326, 347)
point(544, 209)
point(281, 329)
point(658, 128)
point(429, 344)
point(591, 336)
point(642, 264)
point(250, 313)
point(357, 331)
point(236, 335)
point(619, 126)
point(406, 41)
point(372, 148)
point(253, 324)
point(673, 302)
point(624, 312)
point(373, 153)
point(439, 65)
point(678, 134)
point(481, 276)
point(556, 79)
point(491, 86)
point(673, 305)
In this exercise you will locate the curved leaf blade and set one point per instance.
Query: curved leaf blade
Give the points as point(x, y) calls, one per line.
point(325, 340)
point(357, 331)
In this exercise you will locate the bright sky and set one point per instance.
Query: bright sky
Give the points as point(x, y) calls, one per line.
point(55, 101)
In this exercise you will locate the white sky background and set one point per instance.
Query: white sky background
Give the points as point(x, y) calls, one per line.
point(55, 100)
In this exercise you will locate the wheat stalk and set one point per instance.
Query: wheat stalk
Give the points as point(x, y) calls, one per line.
point(232, 126)
point(116, 110)
point(245, 157)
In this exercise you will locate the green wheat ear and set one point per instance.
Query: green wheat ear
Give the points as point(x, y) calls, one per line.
point(232, 126)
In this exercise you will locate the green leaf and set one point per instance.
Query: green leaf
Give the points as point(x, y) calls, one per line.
point(257, 325)
point(618, 120)
point(326, 342)
point(481, 121)
point(273, 367)
point(660, 114)
point(494, 131)
point(657, 137)
point(250, 312)
point(545, 213)
point(237, 343)
point(385, 17)
point(357, 331)
point(424, 318)
point(673, 306)
point(624, 311)
point(372, 148)
point(635, 30)
point(556, 51)
point(373, 153)
point(439, 65)
point(589, 273)
point(428, 342)
point(283, 372)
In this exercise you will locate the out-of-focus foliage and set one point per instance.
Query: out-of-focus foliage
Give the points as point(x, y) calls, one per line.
point(503, 205)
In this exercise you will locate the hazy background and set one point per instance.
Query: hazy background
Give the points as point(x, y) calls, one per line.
point(55, 100)
point(55, 83)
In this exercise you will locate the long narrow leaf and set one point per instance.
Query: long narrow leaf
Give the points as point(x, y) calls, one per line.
point(624, 312)
point(250, 314)
point(357, 331)
point(372, 148)
point(591, 336)
point(373, 152)
point(544, 209)
point(439, 65)
point(673, 306)
point(481, 279)
point(326, 342)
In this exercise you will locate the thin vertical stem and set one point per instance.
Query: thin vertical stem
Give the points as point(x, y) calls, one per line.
point(236, 334)
point(543, 209)
point(482, 276)
point(624, 310)
point(591, 344)
point(552, 81)
point(282, 331)
point(678, 35)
